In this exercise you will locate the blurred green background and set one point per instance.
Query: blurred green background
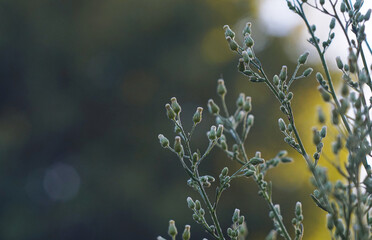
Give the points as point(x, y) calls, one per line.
point(83, 87)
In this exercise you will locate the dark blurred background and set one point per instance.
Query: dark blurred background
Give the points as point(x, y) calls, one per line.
point(83, 87)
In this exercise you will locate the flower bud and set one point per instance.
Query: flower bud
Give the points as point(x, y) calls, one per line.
point(245, 56)
point(298, 210)
point(228, 32)
point(325, 95)
point(256, 160)
point(335, 116)
point(340, 65)
point(330, 224)
point(164, 142)
point(190, 203)
point(248, 41)
point(332, 24)
point(232, 44)
point(212, 134)
point(307, 72)
point(247, 29)
point(236, 214)
point(224, 171)
point(276, 80)
point(221, 89)
point(283, 73)
point(323, 132)
point(250, 120)
point(178, 148)
point(302, 59)
point(186, 233)
point(212, 107)
point(197, 205)
point(343, 7)
point(321, 116)
point(316, 137)
point(170, 113)
point(240, 100)
point(282, 126)
point(219, 131)
point(367, 15)
point(172, 230)
point(247, 104)
point(241, 66)
point(175, 106)
point(197, 115)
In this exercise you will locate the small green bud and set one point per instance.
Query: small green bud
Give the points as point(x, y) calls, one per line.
point(340, 226)
point(286, 160)
point(241, 66)
point(307, 72)
point(175, 106)
point(258, 154)
point(178, 148)
point(213, 107)
point(250, 53)
point(343, 7)
point(224, 171)
point(335, 116)
point(247, 104)
point(313, 28)
point(221, 89)
point(316, 137)
point(298, 210)
point(340, 65)
point(282, 153)
point(321, 2)
point(247, 29)
point(195, 157)
point(321, 116)
point(177, 129)
point(164, 142)
point(228, 32)
point(236, 215)
point(363, 77)
point(186, 233)
point(332, 23)
point(190, 203)
point(249, 173)
point(232, 44)
point(282, 126)
point(172, 230)
point(330, 224)
point(283, 73)
point(224, 145)
point(276, 80)
point(281, 95)
point(248, 41)
point(345, 90)
point(319, 77)
point(230, 232)
point(197, 205)
point(241, 220)
point(250, 120)
point(289, 127)
point(197, 115)
point(323, 132)
point(367, 15)
point(212, 134)
point(346, 68)
point(240, 101)
point(302, 59)
point(170, 113)
point(325, 95)
point(357, 4)
point(289, 96)
point(219, 131)
point(256, 160)
point(245, 56)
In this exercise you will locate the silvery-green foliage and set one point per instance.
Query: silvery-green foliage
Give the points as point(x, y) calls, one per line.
point(347, 203)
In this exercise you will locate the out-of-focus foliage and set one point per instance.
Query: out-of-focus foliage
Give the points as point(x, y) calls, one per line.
point(82, 89)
